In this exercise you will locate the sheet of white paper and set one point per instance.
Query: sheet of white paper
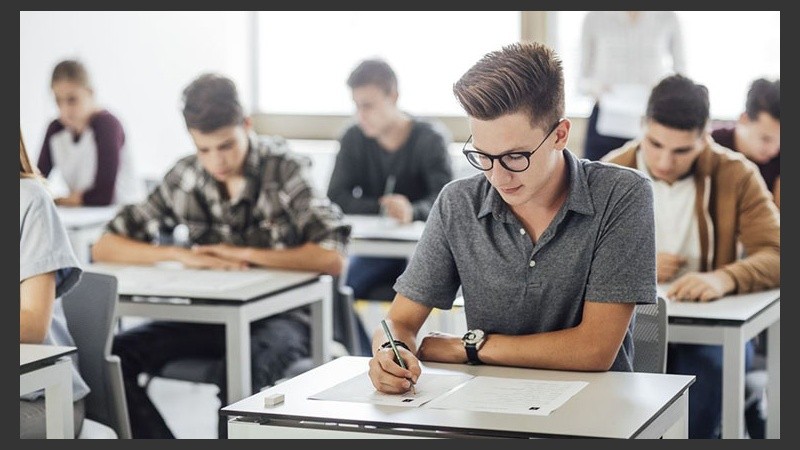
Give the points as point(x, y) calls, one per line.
point(359, 389)
point(509, 395)
point(189, 279)
point(621, 111)
point(378, 227)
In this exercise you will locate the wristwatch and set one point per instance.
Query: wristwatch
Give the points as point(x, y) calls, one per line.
point(473, 341)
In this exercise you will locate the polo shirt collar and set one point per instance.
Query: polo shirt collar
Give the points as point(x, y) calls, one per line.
point(578, 199)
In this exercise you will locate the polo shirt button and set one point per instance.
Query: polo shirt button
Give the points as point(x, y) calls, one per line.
point(522, 231)
point(532, 263)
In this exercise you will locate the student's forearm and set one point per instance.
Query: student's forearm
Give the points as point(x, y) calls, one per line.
point(119, 249)
point(305, 257)
point(559, 350)
point(590, 346)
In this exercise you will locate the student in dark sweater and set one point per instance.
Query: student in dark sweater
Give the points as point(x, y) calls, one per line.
point(387, 149)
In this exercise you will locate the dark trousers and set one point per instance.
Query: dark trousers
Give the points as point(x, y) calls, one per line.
point(373, 279)
point(275, 343)
point(597, 145)
point(705, 395)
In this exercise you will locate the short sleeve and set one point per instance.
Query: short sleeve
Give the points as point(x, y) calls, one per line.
point(43, 242)
point(624, 263)
point(431, 277)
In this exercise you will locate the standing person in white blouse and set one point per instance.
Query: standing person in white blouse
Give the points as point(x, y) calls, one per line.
point(623, 55)
point(86, 145)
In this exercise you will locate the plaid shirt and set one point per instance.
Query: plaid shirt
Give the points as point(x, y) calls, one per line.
point(277, 208)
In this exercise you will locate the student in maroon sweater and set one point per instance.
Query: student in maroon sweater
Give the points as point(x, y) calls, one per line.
point(86, 144)
point(757, 133)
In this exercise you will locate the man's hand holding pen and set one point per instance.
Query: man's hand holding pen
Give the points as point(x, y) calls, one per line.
point(388, 376)
point(394, 371)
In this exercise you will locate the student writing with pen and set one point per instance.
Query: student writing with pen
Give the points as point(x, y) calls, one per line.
point(552, 252)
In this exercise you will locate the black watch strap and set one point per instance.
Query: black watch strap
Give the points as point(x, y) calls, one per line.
point(472, 354)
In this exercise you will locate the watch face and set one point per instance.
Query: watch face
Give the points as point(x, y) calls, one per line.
point(473, 336)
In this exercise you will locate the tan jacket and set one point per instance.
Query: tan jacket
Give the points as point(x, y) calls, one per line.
point(733, 196)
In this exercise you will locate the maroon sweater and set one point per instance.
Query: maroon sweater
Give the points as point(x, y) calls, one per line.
point(109, 137)
point(770, 170)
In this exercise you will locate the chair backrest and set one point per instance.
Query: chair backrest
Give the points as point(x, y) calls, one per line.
point(650, 337)
point(90, 310)
point(347, 328)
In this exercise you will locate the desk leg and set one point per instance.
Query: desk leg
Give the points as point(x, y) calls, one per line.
point(680, 429)
point(774, 384)
point(322, 322)
point(56, 380)
point(237, 350)
point(733, 383)
point(58, 398)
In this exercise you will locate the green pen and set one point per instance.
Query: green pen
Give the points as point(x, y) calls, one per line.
point(396, 352)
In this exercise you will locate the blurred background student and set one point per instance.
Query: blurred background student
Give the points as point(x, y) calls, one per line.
point(86, 145)
point(48, 269)
point(757, 132)
point(623, 55)
point(709, 202)
point(389, 160)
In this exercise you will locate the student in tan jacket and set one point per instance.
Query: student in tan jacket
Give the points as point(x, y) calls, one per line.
point(708, 200)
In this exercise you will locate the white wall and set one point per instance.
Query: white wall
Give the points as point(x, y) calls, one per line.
point(139, 62)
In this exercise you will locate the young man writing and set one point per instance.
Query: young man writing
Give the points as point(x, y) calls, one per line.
point(552, 252)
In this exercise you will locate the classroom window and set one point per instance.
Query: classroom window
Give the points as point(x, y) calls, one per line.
point(725, 50)
point(428, 50)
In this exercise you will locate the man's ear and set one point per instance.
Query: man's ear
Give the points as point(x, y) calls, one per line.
point(562, 133)
point(247, 123)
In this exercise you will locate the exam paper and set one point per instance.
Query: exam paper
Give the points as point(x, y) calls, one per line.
point(359, 389)
point(191, 280)
point(509, 395)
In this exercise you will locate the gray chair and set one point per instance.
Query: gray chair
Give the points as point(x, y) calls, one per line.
point(90, 310)
point(650, 337)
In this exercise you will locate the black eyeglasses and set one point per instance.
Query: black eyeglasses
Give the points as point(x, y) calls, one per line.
point(512, 161)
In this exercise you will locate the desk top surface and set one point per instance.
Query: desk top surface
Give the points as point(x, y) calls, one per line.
point(172, 280)
point(734, 308)
point(86, 216)
point(36, 355)
point(633, 399)
point(383, 228)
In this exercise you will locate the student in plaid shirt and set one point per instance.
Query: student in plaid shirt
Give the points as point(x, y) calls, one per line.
point(245, 202)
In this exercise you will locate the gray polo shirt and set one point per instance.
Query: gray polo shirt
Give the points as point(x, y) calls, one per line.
point(600, 247)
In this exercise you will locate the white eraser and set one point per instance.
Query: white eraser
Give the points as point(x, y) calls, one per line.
point(273, 399)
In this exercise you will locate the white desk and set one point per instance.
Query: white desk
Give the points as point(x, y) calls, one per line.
point(381, 236)
point(612, 405)
point(84, 225)
point(191, 295)
point(730, 322)
point(45, 367)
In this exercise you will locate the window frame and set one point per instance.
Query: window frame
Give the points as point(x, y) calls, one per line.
point(316, 126)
